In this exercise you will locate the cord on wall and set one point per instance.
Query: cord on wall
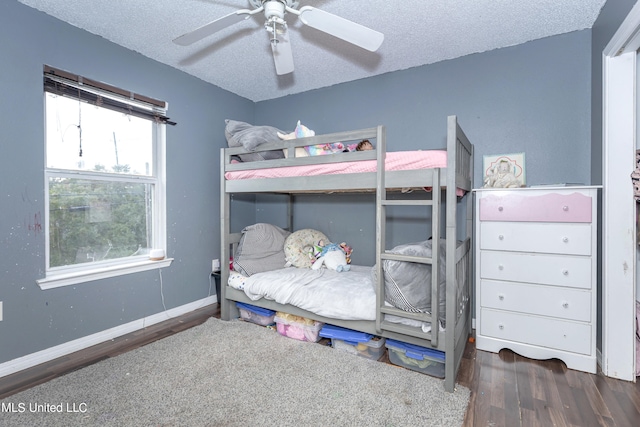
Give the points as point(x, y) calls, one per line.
point(161, 291)
point(208, 294)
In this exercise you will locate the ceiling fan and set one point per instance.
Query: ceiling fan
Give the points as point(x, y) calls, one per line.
point(276, 26)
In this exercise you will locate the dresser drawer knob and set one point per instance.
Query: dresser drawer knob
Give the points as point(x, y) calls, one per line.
point(565, 239)
point(501, 297)
point(565, 208)
point(500, 208)
point(500, 267)
point(501, 327)
point(565, 304)
point(565, 272)
point(501, 237)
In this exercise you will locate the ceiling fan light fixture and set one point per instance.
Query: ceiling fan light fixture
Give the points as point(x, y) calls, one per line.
point(275, 26)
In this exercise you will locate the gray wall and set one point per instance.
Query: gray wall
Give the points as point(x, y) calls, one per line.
point(35, 319)
point(608, 22)
point(532, 98)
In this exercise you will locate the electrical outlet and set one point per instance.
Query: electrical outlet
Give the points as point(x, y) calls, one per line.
point(0, 311)
point(215, 265)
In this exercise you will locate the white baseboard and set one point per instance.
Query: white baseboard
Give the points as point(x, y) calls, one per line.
point(33, 359)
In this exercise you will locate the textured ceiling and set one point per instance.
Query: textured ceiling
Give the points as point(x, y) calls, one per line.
point(238, 58)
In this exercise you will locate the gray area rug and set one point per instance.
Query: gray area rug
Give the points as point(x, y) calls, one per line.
point(237, 374)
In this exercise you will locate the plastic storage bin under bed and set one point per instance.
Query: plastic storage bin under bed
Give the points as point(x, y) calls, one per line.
point(354, 342)
point(297, 327)
point(420, 359)
point(257, 315)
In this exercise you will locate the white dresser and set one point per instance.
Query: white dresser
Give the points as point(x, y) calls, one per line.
point(536, 264)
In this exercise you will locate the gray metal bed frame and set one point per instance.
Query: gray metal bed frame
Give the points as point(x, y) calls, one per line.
point(457, 174)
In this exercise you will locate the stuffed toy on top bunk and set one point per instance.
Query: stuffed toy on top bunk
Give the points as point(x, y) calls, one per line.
point(301, 131)
point(250, 137)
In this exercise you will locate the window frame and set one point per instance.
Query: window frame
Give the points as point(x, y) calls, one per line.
point(85, 272)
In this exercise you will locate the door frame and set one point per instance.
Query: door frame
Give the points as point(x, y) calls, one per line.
point(618, 205)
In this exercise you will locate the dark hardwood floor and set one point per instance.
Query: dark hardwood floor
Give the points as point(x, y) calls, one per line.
point(510, 390)
point(506, 389)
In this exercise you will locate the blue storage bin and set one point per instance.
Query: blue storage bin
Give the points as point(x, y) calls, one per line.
point(354, 342)
point(257, 315)
point(420, 359)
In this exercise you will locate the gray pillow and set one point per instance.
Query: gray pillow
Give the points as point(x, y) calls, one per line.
point(261, 248)
point(408, 284)
point(241, 134)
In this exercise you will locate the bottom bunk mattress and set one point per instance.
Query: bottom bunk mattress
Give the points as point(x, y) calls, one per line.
point(349, 295)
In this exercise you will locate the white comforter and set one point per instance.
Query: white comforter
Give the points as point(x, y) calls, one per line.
point(348, 295)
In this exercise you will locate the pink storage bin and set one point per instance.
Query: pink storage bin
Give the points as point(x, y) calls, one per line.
point(297, 327)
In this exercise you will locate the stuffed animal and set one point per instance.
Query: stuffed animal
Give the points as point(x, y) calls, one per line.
point(332, 256)
point(301, 131)
point(322, 149)
point(347, 251)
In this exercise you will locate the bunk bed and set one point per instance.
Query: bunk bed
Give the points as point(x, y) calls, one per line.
point(447, 183)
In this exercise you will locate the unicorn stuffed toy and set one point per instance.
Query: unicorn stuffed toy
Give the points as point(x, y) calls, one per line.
point(301, 131)
point(332, 256)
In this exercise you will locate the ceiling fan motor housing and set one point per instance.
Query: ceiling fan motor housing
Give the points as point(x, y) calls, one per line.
point(273, 9)
point(258, 3)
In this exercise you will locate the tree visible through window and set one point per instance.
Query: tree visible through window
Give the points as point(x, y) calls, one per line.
point(102, 183)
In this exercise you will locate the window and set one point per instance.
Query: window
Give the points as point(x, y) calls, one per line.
point(104, 172)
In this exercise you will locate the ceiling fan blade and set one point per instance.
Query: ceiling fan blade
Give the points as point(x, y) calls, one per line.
point(282, 56)
point(215, 26)
point(344, 29)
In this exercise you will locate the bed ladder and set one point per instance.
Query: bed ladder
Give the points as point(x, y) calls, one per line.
point(381, 224)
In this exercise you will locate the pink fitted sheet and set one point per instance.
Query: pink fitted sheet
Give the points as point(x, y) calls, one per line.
point(394, 161)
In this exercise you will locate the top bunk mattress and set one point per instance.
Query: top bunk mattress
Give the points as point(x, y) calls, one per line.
point(394, 161)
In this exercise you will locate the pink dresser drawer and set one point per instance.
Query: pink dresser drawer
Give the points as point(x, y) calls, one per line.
point(545, 207)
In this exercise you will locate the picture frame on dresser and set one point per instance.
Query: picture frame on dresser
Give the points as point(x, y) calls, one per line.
point(504, 170)
point(536, 266)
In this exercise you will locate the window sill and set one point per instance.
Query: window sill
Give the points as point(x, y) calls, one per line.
point(66, 279)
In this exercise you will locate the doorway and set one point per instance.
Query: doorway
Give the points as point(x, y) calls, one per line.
point(618, 205)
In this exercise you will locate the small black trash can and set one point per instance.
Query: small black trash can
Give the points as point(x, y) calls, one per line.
point(216, 277)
